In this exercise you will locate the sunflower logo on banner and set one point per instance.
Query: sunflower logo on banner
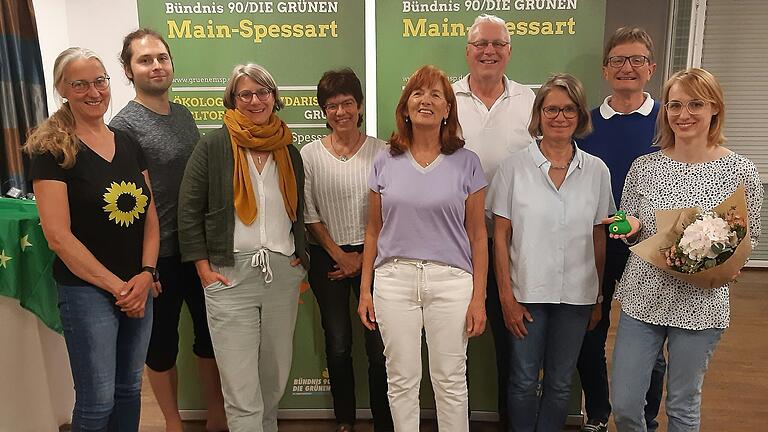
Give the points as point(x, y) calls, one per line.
point(125, 202)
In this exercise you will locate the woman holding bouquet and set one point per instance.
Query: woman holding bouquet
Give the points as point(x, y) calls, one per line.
point(548, 202)
point(692, 169)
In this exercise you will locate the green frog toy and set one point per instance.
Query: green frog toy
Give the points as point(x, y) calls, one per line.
point(620, 224)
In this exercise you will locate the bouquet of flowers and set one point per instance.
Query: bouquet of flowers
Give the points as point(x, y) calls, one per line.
point(708, 240)
point(702, 248)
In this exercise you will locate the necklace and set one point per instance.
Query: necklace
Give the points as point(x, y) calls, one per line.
point(344, 157)
point(559, 167)
point(426, 163)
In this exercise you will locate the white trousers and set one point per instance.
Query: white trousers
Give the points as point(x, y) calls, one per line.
point(412, 295)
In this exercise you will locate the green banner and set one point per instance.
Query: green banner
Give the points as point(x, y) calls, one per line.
point(296, 41)
point(547, 36)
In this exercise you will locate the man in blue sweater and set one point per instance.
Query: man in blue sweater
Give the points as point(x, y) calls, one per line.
point(624, 128)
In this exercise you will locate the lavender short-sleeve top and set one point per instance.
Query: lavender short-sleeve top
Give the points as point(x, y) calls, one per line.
point(423, 209)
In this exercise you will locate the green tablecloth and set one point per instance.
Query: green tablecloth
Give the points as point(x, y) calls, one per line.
point(26, 262)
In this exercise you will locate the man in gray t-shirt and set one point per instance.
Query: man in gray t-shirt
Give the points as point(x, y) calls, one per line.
point(167, 140)
point(167, 133)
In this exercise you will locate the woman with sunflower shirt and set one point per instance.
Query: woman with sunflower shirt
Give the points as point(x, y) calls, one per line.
point(241, 220)
point(97, 213)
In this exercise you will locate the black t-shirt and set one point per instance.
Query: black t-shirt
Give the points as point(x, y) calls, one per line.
point(108, 204)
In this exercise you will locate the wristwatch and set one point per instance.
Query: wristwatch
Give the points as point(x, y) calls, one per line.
point(600, 299)
point(153, 271)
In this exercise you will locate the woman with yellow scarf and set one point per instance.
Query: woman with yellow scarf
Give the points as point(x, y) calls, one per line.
point(241, 207)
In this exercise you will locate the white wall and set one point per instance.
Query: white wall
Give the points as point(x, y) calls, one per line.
point(96, 24)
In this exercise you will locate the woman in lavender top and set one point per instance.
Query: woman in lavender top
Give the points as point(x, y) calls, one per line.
point(426, 239)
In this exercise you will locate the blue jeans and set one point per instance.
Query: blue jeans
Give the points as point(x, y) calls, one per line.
point(106, 352)
point(634, 356)
point(554, 339)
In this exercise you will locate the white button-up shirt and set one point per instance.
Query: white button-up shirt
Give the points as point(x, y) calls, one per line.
point(272, 227)
point(551, 251)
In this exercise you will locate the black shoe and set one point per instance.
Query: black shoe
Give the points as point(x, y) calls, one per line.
point(595, 426)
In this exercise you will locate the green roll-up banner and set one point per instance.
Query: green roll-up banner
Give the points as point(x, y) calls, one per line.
point(295, 41)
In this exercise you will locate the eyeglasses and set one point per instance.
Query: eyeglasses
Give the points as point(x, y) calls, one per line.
point(482, 44)
point(552, 112)
point(82, 86)
point(694, 106)
point(635, 61)
point(346, 105)
point(246, 96)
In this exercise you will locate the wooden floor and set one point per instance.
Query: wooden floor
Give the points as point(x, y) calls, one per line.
point(735, 396)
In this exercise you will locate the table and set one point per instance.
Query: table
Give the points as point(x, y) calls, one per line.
point(37, 391)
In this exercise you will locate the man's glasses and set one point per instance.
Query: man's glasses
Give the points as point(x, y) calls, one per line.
point(246, 96)
point(82, 86)
point(482, 44)
point(635, 61)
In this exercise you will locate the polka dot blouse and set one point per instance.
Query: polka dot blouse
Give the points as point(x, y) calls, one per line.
point(656, 181)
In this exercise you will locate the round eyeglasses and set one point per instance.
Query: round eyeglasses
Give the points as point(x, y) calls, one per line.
point(82, 86)
point(246, 96)
point(694, 106)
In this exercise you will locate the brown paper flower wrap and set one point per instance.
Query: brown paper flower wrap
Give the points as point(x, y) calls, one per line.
point(671, 223)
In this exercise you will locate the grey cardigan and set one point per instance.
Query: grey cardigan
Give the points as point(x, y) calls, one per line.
point(206, 202)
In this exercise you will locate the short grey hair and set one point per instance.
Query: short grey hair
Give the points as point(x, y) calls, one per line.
point(257, 73)
point(491, 19)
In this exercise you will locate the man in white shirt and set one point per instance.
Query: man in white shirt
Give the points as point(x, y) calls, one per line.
point(494, 113)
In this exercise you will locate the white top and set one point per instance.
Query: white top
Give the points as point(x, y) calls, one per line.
point(272, 227)
point(336, 192)
point(551, 251)
point(656, 181)
point(494, 134)
point(606, 111)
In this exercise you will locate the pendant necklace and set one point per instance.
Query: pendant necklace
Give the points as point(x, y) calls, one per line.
point(343, 157)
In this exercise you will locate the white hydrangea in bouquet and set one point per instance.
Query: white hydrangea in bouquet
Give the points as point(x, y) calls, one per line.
point(708, 240)
point(704, 248)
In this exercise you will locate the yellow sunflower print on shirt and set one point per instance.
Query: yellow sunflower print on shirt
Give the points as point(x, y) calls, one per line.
point(125, 202)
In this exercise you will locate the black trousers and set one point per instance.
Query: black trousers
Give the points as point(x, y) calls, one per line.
point(180, 285)
point(500, 337)
point(592, 367)
point(333, 299)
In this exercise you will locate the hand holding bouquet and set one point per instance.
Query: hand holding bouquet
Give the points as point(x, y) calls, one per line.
point(705, 249)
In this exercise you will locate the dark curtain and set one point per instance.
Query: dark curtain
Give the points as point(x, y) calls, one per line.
point(22, 89)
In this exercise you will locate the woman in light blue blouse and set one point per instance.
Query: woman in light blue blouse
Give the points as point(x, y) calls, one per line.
point(548, 202)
